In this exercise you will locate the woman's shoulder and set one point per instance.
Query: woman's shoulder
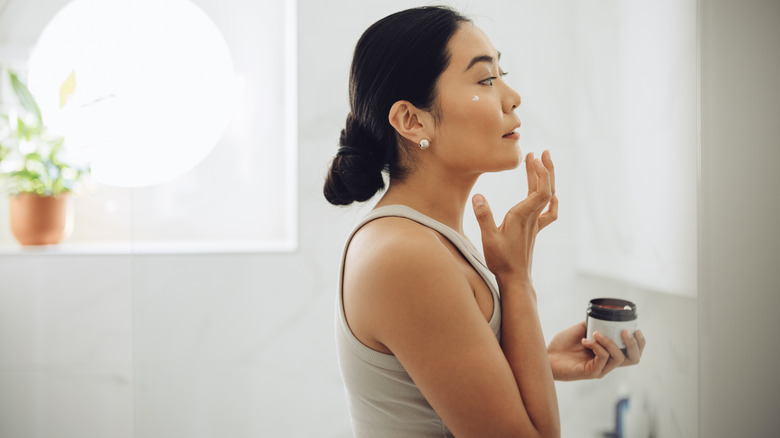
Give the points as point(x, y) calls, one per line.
point(394, 236)
point(391, 246)
point(397, 270)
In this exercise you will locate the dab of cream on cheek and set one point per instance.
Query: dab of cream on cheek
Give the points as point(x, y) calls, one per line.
point(475, 98)
point(610, 316)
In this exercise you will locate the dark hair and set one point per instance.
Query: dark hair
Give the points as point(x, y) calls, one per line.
point(400, 57)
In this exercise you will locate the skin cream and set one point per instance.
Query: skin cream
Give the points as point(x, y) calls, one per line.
point(610, 316)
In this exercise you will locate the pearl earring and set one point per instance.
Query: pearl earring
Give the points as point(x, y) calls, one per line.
point(424, 144)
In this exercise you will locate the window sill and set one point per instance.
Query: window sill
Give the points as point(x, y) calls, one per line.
point(150, 248)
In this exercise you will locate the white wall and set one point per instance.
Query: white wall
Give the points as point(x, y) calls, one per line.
point(740, 212)
point(242, 345)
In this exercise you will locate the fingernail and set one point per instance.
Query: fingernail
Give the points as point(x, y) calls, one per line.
point(478, 200)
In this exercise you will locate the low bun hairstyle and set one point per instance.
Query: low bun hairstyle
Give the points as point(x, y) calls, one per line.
point(400, 57)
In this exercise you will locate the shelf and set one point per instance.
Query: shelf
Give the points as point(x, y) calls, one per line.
point(135, 248)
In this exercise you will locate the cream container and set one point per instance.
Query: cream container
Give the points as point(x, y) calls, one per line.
point(610, 316)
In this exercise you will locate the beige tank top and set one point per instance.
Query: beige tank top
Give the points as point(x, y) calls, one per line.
point(383, 400)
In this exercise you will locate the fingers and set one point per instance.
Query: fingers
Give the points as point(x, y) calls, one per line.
point(598, 362)
point(634, 347)
point(640, 339)
point(539, 193)
point(487, 224)
point(616, 355)
point(551, 214)
point(541, 178)
point(548, 164)
point(530, 172)
point(609, 356)
point(538, 190)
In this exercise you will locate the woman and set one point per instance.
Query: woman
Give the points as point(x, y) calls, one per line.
point(426, 346)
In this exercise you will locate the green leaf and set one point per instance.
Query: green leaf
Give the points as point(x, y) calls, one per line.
point(21, 128)
point(27, 131)
point(67, 89)
point(56, 147)
point(45, 170)
point(34, 156)
point(25, 175)
point(26, 98)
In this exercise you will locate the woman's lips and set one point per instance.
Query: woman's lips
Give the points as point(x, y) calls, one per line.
point(512, 135)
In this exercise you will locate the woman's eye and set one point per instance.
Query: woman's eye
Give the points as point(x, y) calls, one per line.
point(488, 81)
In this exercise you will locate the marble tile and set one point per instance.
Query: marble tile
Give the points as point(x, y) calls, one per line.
point(70, 402)
point(249, 351)
point(64, 310)
point(65, 337)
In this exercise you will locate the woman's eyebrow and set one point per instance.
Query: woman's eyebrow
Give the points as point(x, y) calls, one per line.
point(483, 58)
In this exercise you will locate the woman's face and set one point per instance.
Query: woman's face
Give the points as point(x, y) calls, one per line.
point(475, 131)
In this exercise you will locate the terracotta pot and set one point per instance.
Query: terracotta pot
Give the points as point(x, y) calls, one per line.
point(39, 220)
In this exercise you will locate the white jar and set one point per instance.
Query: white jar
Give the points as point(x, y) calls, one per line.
point(610, 316)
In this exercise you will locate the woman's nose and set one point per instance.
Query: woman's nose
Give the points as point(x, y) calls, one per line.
point(511, 99)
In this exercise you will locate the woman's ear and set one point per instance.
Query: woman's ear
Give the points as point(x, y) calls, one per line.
point(410, 122)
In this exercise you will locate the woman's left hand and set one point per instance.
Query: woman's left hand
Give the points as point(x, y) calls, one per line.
point(572, 357)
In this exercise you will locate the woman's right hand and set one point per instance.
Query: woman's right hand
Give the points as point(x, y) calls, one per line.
point(509, 247)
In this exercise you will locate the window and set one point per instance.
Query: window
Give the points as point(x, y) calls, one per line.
point(242, 196)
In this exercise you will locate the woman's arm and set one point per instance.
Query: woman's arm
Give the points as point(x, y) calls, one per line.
point(522, 340)
point(509, 254)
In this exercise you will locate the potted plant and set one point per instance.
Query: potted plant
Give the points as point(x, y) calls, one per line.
point(34, 171)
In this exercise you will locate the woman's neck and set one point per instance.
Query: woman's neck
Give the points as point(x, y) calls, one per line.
point(438, 195)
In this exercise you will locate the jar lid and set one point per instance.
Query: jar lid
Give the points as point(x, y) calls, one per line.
point(612, 309)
